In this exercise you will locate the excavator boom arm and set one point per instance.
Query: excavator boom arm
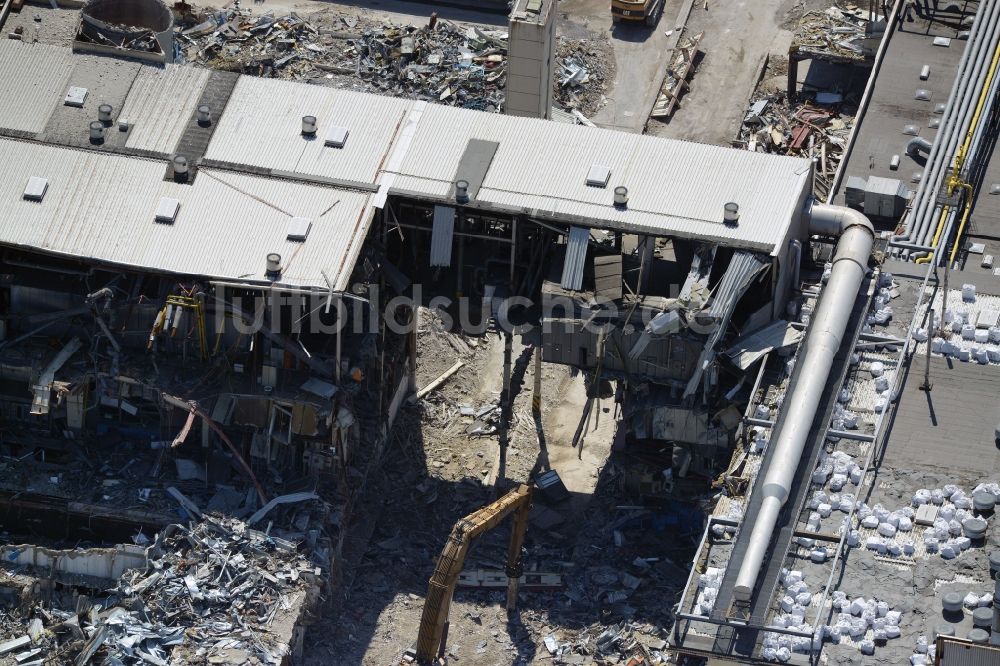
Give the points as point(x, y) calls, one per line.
point(452, 559)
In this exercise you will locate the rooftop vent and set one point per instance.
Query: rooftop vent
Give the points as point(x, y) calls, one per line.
point(308, 125)
point(204, 115)
point(76, 96)
point(731, 214)
point(97, 132)
point(598, 175)
point(298, 228)
point(462, 191)
point(166, 211)
point(104, 113)
point(337, 136)
point(922, 93)
point(35, 189)
point(273, 270)
point(180, 164)
point(621, 196)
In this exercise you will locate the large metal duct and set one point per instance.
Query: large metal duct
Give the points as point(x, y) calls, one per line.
point(812, 370)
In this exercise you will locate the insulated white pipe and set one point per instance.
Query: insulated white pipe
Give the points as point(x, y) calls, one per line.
point(812, 371)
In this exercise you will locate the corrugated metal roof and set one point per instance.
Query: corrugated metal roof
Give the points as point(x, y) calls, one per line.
point(161, 104)
point(34, 78)
point(262, 127)
point(101, 206)
point(442, 234)
point(576, 257)
point(674, 187)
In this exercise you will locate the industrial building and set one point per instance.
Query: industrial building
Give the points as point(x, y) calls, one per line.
point(192, 262)
point(787, 569)
point(198, 316)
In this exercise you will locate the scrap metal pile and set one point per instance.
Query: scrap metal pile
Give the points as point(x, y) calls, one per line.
point(441, 61)
point(213, 593)
point(814, 129)
point(835, 32)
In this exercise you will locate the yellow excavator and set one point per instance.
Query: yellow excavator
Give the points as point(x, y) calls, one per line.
point(633, 11)
point(433, 634)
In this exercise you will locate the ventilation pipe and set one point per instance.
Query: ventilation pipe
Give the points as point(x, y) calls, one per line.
point(811, 374)
point(97, 132)
point(273, 269)
point(917, 145)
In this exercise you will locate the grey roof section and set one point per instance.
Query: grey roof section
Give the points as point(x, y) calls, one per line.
point(33, 79)
point(442, 235)
point(108, 81)
point(576, 258)
point(475, 164)
point(879, 132)
point(226, 224)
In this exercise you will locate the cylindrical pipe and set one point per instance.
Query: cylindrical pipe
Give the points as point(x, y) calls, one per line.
point(981, 46)
point(812, 370)
point(917, 145)
point(952, 122)
point(796, 258)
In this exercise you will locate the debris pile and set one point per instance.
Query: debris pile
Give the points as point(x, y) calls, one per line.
point(815, 129)
point(442, 61)
point(833, 32)
point(217, 592)
point(586, 69)
point(626, 642)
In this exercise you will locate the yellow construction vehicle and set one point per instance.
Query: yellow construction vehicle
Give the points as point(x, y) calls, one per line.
point(433, 634)
point(633, 11)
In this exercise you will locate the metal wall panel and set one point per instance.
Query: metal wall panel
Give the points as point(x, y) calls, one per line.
point(442, 235)
point(576, 258)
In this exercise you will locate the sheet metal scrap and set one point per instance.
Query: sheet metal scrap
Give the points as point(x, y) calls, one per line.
point(807, 130)
point(216, 586)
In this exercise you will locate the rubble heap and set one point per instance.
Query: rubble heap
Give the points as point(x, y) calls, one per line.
point(217, 592)
point(444, 62)
point(817, 128)
point(834, 31)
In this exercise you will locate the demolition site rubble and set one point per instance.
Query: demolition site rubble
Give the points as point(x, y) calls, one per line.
point(213, 592)
point(440, 61)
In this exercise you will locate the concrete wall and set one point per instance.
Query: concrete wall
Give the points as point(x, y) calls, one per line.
point(530, 55)
point(103, 563)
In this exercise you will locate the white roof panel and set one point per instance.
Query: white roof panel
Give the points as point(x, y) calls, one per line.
point(160, 106)
point(674, 187)
point(262, 127)
point(101, 206)
point(34, 79)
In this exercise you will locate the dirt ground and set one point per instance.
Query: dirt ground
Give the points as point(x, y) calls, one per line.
point(435, 473)
point(738, 38)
